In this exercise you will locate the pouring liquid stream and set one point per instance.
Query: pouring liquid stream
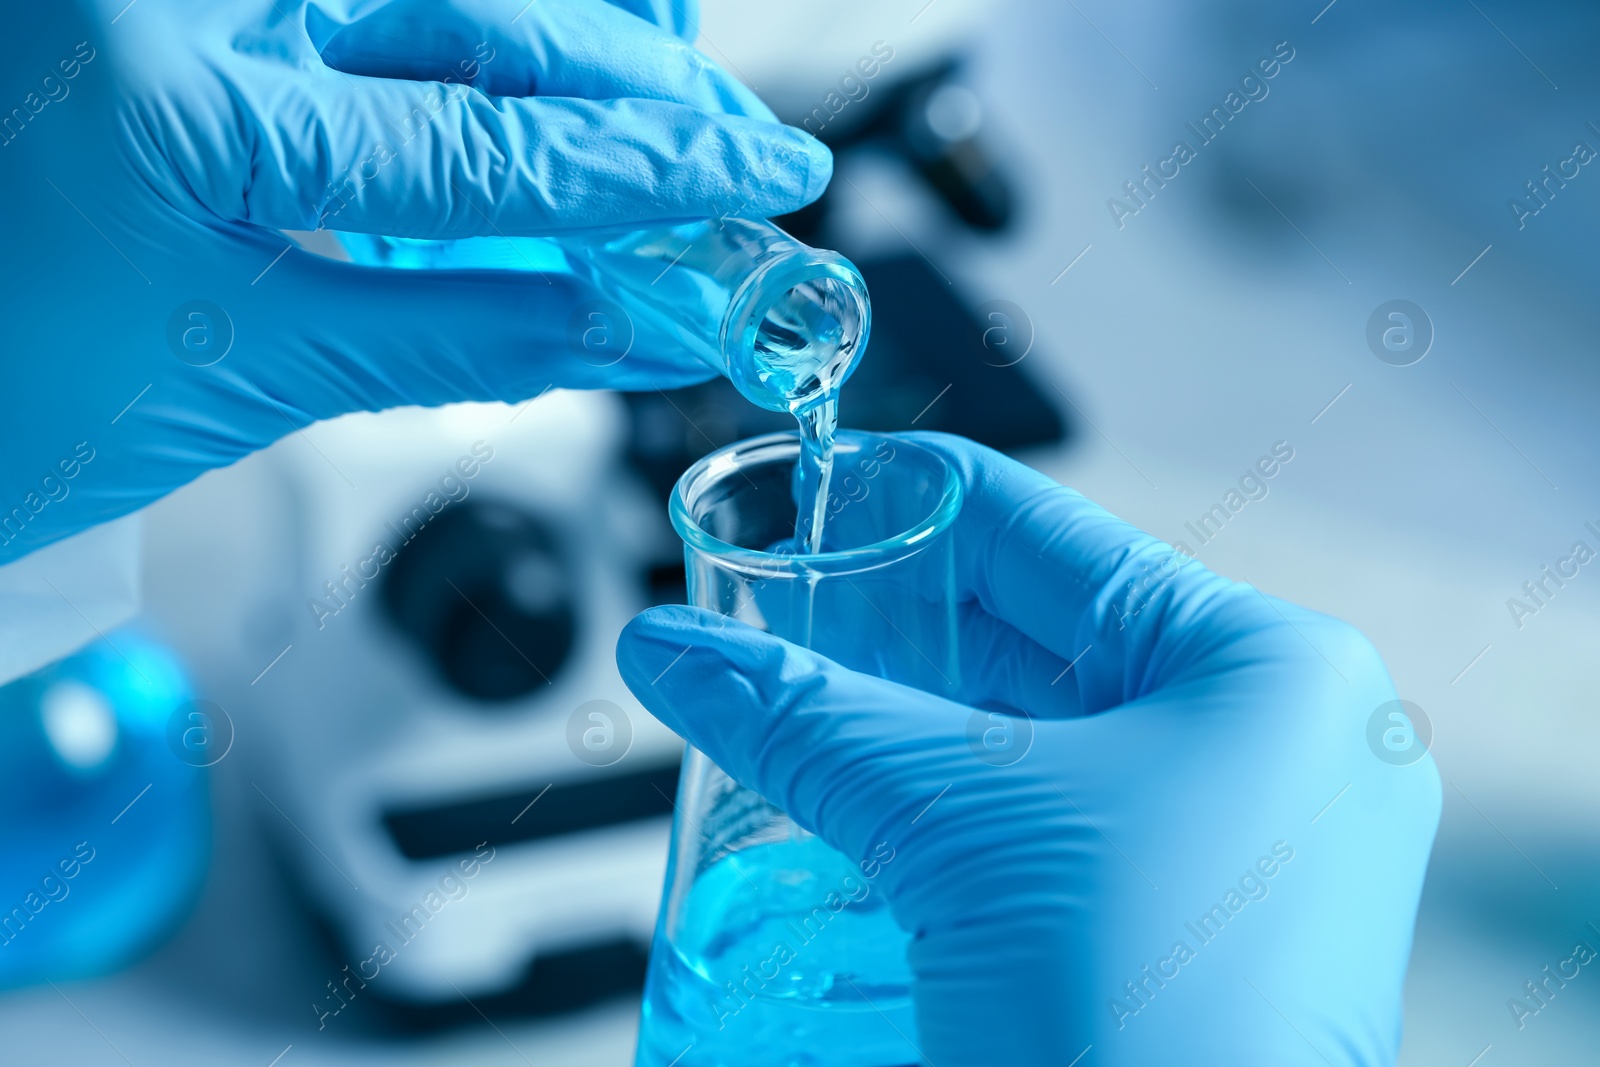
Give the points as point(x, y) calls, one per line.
point(803, 349)
point(818, 423)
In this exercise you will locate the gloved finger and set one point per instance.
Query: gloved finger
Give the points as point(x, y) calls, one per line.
point(368, 338)
point(1074, 577)
point(1006, 670)
point(847, 755)
point(872, 626)
point(418, 159)
point(681, 17)
point(577, 48)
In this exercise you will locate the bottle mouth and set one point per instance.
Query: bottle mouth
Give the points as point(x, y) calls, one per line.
point(796, 328)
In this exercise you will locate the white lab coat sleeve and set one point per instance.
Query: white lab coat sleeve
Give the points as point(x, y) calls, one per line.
point(59, 598)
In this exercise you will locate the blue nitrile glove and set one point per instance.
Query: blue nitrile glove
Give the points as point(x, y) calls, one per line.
point(1189, 854)
point(150, 152)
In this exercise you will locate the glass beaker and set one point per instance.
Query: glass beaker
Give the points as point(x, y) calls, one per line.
point(773, 949)
point(781, 320)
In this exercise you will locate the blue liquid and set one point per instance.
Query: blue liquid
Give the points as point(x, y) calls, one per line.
point(785, 956)
point(803, 346)
point(806, 340)
point(682, 279)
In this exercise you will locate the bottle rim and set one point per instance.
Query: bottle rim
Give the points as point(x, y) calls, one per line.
point(762, 288)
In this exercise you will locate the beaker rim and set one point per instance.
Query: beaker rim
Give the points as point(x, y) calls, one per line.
point(714, 468)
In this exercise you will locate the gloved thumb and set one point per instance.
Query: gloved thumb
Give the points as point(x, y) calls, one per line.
point(850, 757)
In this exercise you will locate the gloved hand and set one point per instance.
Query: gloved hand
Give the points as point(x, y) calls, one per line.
point(150, 152)
point(1187, 854)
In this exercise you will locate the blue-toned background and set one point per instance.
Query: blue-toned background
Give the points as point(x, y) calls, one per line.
point(1168, 344)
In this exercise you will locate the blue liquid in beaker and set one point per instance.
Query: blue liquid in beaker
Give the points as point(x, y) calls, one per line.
point(783, 947)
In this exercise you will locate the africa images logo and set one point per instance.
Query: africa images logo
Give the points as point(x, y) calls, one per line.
point(1399, 733)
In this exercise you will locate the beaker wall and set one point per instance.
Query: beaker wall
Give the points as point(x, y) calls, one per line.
point(772, 948)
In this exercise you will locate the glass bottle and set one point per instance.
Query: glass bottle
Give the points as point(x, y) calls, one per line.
point(783, 321)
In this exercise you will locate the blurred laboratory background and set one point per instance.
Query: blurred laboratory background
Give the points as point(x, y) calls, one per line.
point(1378, 249)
